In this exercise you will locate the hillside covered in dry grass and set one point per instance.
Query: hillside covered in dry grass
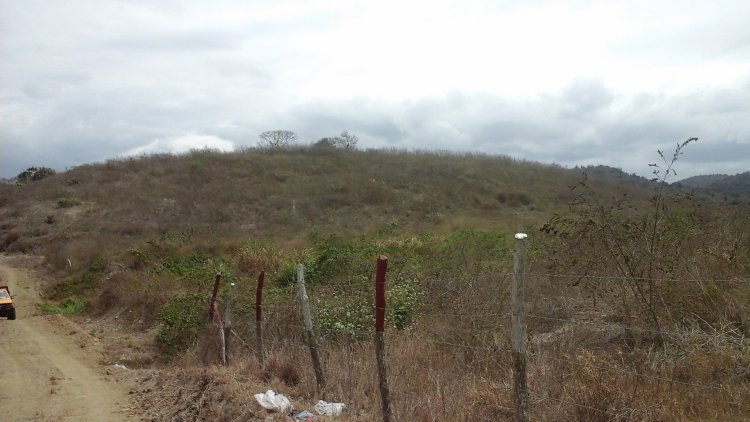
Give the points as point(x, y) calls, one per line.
point(276, 194)
point(638, 296)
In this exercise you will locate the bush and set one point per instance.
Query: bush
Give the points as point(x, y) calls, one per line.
point(198, 268)
point(71, 306)
point(335, 319)
point(68, 202)
point(403, 303)
point(181, 319)
point(34, 174)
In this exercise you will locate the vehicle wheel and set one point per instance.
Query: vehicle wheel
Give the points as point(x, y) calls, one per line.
point(12, 314)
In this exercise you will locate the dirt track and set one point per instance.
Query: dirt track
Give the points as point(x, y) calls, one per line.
point(49, 365)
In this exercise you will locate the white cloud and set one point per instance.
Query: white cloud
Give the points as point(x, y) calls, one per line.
point(182, 143)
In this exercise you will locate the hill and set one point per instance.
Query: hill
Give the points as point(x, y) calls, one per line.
point(614, 174)
point(630, 287)
point(702, 181)
point(115, 205)
point(729, 189)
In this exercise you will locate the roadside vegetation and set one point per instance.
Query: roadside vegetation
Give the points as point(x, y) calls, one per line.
point(629, 284)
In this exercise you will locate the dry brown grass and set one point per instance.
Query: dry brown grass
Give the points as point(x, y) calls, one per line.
point(591, 355)
point(278, 195)
point(435, 381)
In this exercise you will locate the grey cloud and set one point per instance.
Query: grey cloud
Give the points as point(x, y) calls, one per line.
point(609, 129)
point(584, 97)
point(86, 92)
point(320, 118)
point(606, 128)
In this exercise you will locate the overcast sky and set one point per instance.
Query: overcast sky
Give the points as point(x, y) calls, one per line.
point(566, 82)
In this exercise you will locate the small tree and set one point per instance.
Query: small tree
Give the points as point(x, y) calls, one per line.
point(34, 174)
point(277, 139)
point(326, 143)
point(346, 140)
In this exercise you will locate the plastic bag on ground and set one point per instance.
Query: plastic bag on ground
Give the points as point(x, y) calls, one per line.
point(274, 402)
point(303, 416)
point(329, 409)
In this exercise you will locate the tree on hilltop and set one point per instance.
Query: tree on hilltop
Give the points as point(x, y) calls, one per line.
point(344, 141)
point(276, 138)
point(347, 140)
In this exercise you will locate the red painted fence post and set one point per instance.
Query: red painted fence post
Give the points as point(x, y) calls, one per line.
point(382, 267)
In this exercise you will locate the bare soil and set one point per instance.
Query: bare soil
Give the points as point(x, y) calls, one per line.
point(51, 368)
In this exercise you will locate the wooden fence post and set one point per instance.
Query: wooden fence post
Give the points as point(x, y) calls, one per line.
point(226, 326)
point(259, 318)
point(385, 395)
point(213, 307)
point(518, 327)
point(311, 342)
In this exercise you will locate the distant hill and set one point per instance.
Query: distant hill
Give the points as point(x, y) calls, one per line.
point(702, 181)
point(614, 174)
point(731, 187)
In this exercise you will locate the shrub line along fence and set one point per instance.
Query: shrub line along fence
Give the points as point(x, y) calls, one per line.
point(519, 333)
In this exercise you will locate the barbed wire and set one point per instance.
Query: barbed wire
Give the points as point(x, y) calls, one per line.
point(642, 330)
point(447, 290)
point(502, 274)
point(469, 377)
point(647, 376)
point(631, 278)
point(583, 406)
point(496, 349)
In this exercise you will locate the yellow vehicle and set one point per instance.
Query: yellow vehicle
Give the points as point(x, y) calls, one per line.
point(7, 309)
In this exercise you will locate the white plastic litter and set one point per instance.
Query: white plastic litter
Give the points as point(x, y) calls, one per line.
point(329, 409)
point(274, 402)
point(120, 366)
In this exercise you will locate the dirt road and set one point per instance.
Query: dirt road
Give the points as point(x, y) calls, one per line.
point(49, 366)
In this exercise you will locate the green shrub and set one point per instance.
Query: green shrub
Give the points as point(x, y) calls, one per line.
point(68, 202)
point(198, 268)
point(196, 166)
point(71, 306)
point(402, 304)
point(335, 319)
point(287, 272)
point(75, 285)
point(181, 319)
point(80, 285)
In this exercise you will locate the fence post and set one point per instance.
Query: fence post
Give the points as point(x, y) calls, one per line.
point(213, 307)
point(226, 327)
point(311, 342)
point(259, 318)
point(385, 395)
point(518, 324)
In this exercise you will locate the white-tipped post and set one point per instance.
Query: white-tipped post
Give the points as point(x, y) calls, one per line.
point(518, 330)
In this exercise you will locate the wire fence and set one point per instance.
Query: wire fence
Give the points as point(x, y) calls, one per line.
point(457, 361)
